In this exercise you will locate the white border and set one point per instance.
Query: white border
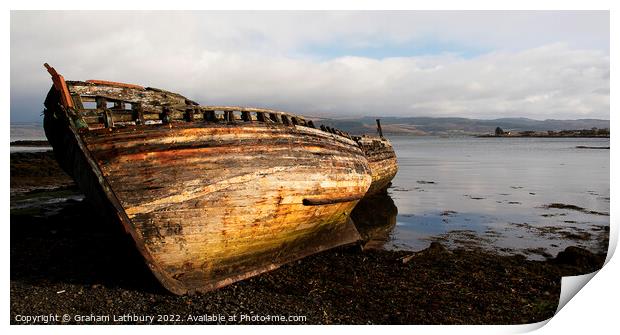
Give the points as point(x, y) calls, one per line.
point(594, 309)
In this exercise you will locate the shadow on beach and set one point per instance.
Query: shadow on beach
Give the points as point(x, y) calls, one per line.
point(74, 244)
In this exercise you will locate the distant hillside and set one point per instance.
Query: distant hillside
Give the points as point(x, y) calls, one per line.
point(455, 125)
point(401, 125)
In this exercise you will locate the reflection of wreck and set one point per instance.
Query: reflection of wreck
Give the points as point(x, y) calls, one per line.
point(375, 218)
point(210, 194)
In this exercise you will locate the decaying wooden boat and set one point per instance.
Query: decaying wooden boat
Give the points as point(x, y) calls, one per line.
point(210, 194)
point(381, 160)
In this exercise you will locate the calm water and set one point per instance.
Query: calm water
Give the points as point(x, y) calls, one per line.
point(495, 190)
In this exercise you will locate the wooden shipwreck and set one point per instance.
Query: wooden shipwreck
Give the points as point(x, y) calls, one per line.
point(210, 194)
point(381, 161)
point(381, 158)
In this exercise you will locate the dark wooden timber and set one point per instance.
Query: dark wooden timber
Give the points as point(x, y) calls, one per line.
point(328, 201)
point(379, 128)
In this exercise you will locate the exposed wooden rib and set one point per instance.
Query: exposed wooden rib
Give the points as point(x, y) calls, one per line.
point(242, 109)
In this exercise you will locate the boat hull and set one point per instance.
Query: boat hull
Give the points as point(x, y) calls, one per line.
point(208, 204)
point(381, 160)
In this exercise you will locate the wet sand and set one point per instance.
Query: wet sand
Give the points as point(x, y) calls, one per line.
point(67, 259)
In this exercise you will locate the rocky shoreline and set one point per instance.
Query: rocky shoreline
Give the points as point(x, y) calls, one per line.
point(67, 259)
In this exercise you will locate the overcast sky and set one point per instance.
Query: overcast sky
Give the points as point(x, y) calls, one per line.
point(410, 63)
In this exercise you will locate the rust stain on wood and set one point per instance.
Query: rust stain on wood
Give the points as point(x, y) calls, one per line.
point(61, 86)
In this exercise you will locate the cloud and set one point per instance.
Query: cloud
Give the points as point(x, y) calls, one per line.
point(540, 65)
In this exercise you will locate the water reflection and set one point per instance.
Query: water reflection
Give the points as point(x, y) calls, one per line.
point(375, 218)
point(497, 192)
